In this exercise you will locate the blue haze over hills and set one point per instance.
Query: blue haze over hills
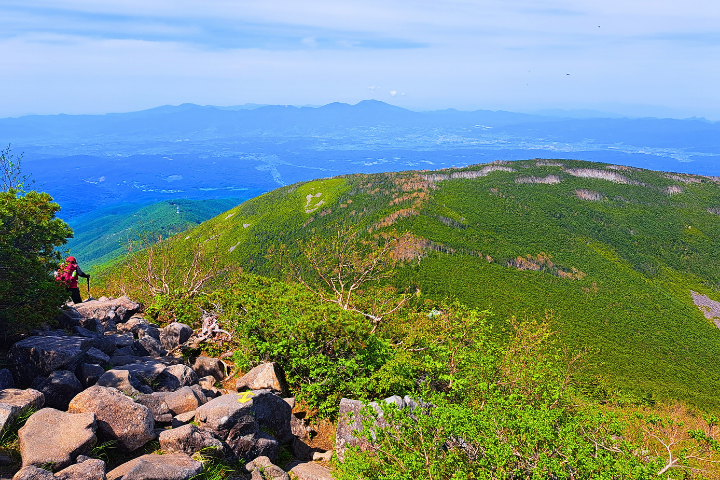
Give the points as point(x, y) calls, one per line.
point(203, 152)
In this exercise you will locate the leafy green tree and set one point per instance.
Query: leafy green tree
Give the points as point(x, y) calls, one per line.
point(29, 237)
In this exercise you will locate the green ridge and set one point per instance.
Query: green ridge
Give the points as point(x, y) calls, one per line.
point(616, 273)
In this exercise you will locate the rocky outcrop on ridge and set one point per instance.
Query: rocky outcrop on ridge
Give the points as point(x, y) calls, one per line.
point(106, 376)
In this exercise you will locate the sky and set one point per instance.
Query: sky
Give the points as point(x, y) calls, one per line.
point(630, 57)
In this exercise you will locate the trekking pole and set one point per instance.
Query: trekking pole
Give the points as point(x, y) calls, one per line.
point(88, 284)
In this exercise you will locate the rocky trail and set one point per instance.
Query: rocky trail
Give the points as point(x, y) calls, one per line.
point(105, 380)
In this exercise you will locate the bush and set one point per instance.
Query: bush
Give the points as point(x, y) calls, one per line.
point(29, 235)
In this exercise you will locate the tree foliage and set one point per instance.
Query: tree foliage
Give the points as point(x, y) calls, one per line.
point(346, 269)
point(29, 237)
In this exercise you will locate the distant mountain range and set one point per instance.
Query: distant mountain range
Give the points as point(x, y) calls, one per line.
point(200, 152)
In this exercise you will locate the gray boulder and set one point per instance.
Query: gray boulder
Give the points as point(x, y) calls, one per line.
point(59, 388)
point(262, 468)
point(149, 346)
point(40, 356)
point(309, 471)
point(155, 402)
point(147, 330)
point(124, 339)
point(116, 310)
point(189, 439)
point(350, 428)
point(67, 434)
point(93, 355)
point(33, 473)
point(147, 371)
point(174, 466)
point(6, 379)
point(183, 419)
point(273, 415)
point(231, 418)
point(176, 376)
point(89, 374)
point(183, 400)
point(132, 324)
point(205, 366)
point(88, 469)
point(118, 416)
point(174, 334)
point(266, 376)
point(13, 402)
point(124, 381)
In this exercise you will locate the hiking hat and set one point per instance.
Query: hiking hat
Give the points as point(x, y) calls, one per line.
point(71, 259)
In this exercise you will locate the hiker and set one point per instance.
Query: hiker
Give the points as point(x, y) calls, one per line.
point(69, 276)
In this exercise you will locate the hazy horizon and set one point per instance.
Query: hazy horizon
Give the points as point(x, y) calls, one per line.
point(641, 58)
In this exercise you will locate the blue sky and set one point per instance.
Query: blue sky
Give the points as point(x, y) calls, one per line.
point(636, 57)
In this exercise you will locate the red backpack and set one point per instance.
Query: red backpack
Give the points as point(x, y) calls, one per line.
point(65, 274)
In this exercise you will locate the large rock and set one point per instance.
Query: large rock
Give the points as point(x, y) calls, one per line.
point(6, 379)
point(13, 402)
point(33, 473)
point(263, 469)
point(205, 366)
point(124, 340)
point(132, 325)
point(57, 438)
point(174, 466)
point(231, 418)
point(89, 374)
point(118, 416)
point(189, 439)
point(266, 376)
point(124, 381)
point(59, 388)
point(272, 414)
point(147, 371)
point(174, 335)
point(89, 469)
point(183, 400)
point(149, 346)
point(350, 428)
point(309, 471)
point(155, 402)
point(40, 356)
point(117, 310)
point(176, 376)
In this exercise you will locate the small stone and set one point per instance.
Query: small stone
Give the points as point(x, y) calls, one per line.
point(322, 456)
point(124, 381)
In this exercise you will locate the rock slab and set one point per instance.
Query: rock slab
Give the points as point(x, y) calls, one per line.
point(174, 466)
point(54, 437)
